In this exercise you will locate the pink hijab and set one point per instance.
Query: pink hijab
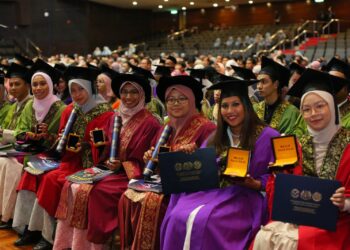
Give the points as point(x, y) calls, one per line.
point(178, 123)
point(42, 107)
point(108, 81)
point(128, 113)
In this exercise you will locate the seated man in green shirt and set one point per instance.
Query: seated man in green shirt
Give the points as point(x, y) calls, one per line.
point(273, 110)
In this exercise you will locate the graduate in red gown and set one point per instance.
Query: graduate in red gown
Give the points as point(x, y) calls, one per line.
point(139, 127)
point(325, 154)
point(141, 213)
point(39, 195)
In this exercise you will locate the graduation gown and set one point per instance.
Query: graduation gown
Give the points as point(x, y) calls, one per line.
point(48, 186)
point(283, 118)
point(141, 213)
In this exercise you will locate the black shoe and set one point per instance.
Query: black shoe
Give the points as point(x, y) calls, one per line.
point(43, 245)
point(28, 238)
point(6, 225)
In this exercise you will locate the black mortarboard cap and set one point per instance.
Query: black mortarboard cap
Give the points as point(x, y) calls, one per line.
point(108, 71)
point(91, 66)
point(198, 73)
point(140, 71)
point(162, 70)
point(17, 70)
point(245, 74)
point(275, 70)
point(188, 81)
point(74, 72)
point(41, 66)
point(218, 77)
point(316, 80)
point(295, 67)
point(338, 65)
point(60, 67)
point(173, 59)
point(234, 87)
point(141, 80)
point(25, 61)
point(4, 67)
point(2, 77)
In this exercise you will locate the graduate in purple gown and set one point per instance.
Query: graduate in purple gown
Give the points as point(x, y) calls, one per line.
point(228, 217)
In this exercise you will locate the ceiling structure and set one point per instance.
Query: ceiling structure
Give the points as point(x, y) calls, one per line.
point(178, 4)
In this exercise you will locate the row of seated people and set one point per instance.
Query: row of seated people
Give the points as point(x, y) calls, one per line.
point(63, 215)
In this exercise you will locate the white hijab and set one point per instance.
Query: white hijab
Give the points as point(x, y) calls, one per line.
point(42, 107)
point(322, 138)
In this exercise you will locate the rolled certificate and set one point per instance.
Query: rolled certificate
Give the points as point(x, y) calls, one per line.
point(149, 169)
point(115, 136)
point(67, 128)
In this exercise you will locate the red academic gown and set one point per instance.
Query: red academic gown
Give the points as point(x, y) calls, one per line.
point(135, 138)
point(312, 238)
point(48, 186)
point(140, 221)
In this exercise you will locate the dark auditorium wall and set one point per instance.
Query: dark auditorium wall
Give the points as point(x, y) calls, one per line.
point(291, 12)
point(72, 25)
point(63, 29)
point(80, 25)
point(118, 26)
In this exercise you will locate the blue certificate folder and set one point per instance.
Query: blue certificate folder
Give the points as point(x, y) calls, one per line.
point(305, 201)
point(181, 172)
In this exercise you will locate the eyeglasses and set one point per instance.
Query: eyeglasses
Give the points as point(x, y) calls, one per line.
point(180, 100)
point(318, 108)
point(125, 92)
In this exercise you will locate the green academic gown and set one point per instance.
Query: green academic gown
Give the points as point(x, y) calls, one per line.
point(284, 117)
point(11, 119)
point(27, 121)
point(4, 109)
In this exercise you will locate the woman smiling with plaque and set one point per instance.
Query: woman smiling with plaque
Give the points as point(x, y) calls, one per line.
point(325, 150)
point(228, 217)
point(39, 195)
point(92, 221)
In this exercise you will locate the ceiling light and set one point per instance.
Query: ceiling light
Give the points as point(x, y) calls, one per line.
point(134, 3)
point(165, 0)
point(183, 8)
point(173, 12)
point(160, 6)
point(227, 0)
point(215, 5)
point(268, 4)
point(191, 3)
point(250, 2)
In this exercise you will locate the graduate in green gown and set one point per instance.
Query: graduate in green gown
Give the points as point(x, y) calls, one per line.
point(19, 89)
point(4, 104)
point(37, 124)
point(273, 110)
point(40, 118)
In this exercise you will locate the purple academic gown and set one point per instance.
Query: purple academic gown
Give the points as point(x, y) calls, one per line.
point(230, 217)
